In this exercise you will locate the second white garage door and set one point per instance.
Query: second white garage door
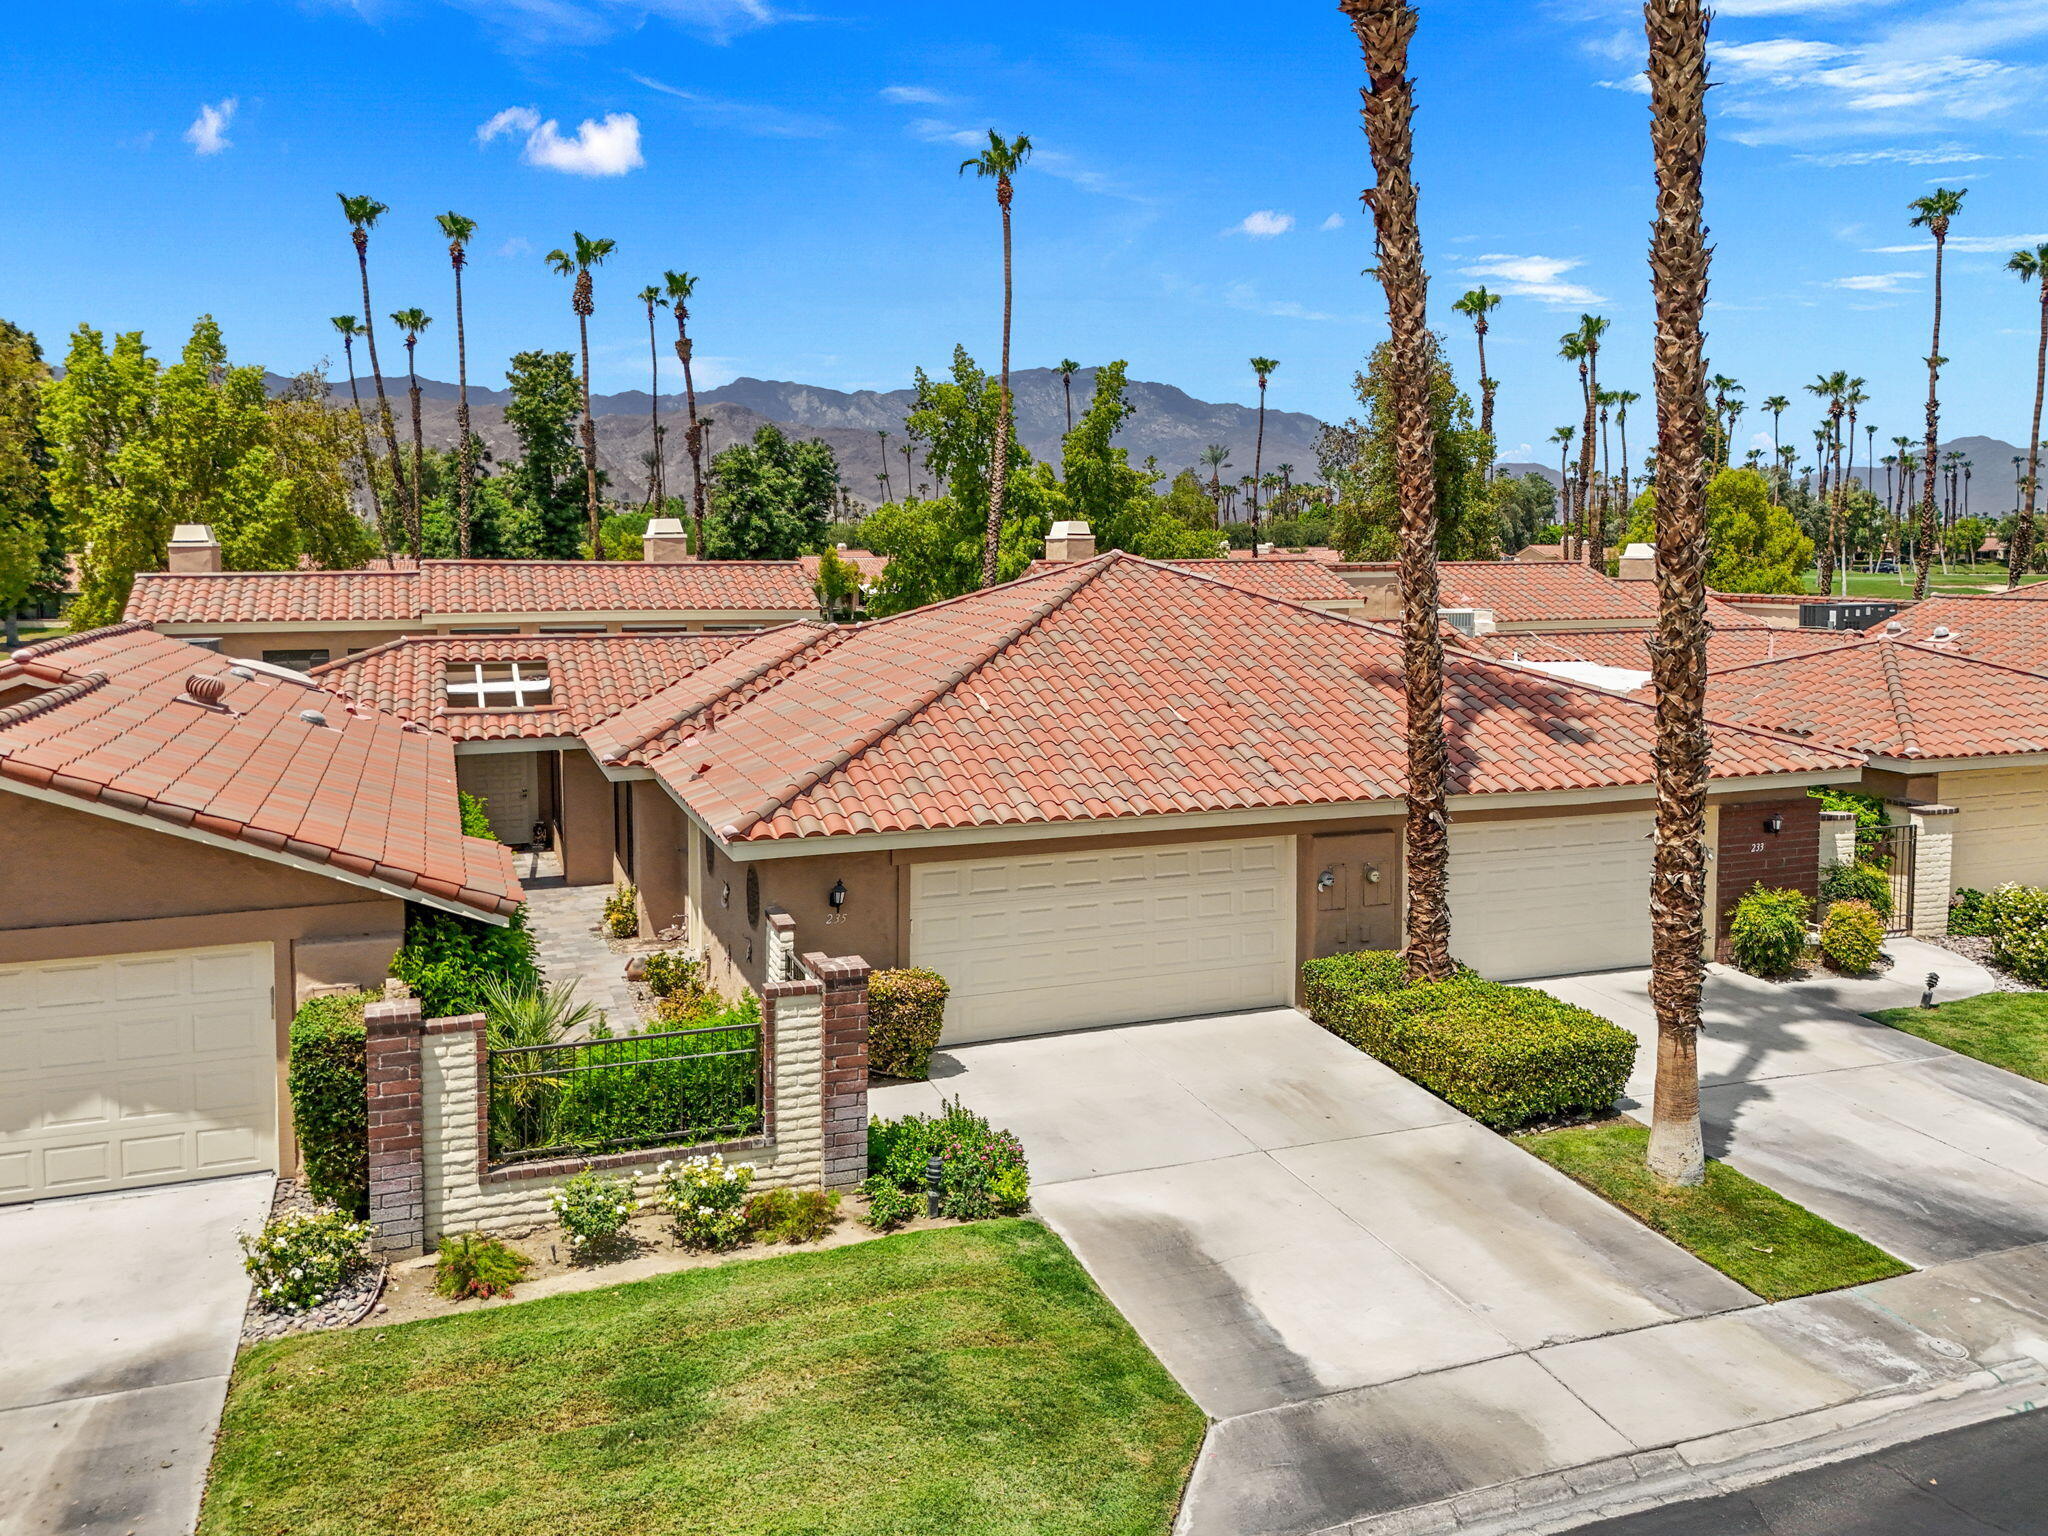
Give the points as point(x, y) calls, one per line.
point(1035, 943)
point(1551, 894)
point(2001, 831)
point(130, 1070)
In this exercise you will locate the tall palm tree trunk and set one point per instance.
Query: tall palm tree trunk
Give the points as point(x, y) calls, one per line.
point(1924, 563)
point(465, 458)
point(1679, 257)
point(693, 438)
point(584, 303)
point(363, 438)
point(415, 529)
point(1485, 395)
point(1589, 513)
point(2021, 552)
point(1258, 459)
point(384, 421)
point(1621, 426)
point(655, 478)
point(1832, 461)
point(999, 465)
point(1385, 28)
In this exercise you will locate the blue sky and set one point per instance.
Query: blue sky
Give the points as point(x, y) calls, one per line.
point(1194, 199)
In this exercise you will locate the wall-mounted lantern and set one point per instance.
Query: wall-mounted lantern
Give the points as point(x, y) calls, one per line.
point(836, 897)
point(1774, 823)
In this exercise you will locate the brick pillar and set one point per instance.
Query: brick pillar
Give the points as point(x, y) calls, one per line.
point(1933, 862)
point(1837, 838)
point(397, 1175)
point(846, 1066)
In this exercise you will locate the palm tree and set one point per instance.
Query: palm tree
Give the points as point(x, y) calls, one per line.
point(1724, 389)
point(1477, 304)
point(1217, 457)
point(681, 286)
point(1572, 348)
point(1286, 472)
point(1623, 399)
point(654, 299)
point(362, 214)
point(1068, 368)
point(1385, 28)
point(1777, 405)
point(1932, 213)
point(1563, 438)
point(583, 254)
point(458, 232)
point(1831, 387)
point(1679, 256)
point(1000, 163)
point(2031, 267)
point(1263, 368)
point(350, 328)
point(882, 434)
point(412, 322)
point(1906, 462)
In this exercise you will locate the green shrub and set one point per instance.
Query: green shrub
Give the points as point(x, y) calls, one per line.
point(906, 1011)
point(593, 1209)
point(888, 1205)
point(1851, 936)
point(473, 1266)
point(1969, 914)
point(1857, 882)
point(1507, 1056)
point(2017, 916)
point(1336, 981)
point(622, 912)
point(982, 1171)
point(706, 1197)
point(1871, 816)
point(297, 1262)
point(1767, 934)
point(476, 816)
point(330, 1108)
point(791, 1215)
point(671, 973)
point(447, 959)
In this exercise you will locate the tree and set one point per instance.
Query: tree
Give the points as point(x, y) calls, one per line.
point(1777, 405)
point(654, 299)
point(1522, 506)
point(1679, 256)
point(458, 231)
point(545, 509)
point(1360, 461)
point(311, 445)
point(1000, 162)
point(31, 535)
point(1216, 458)
point(584, 254)
point(1068, 368)
point(1477, 304)
point(1725, 389)
point(362, 214)
point(774, 497)
point(350, 328)
point(1753, 544)
point(2031, 267)
point(1582, 345)
point(1623, 399)
point(1832, 387)
point(412, 322)
point(1262, 369)
point(682, 287)
point(1385, 29)
point(1932, 213)
point(1102, 489)
point(1188, 504)
point(1563, 438)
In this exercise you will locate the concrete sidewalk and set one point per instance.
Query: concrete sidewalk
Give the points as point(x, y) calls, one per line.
point(119, 1319)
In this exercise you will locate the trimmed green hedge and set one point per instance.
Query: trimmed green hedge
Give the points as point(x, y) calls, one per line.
point(1330, 982)
point(1851, 936)
point(2017, 917)
point(330, 1109)
point(1767, 934)
point(446, 959)
point(906, 1011)
point(1857, 882)
point(1507, 1056)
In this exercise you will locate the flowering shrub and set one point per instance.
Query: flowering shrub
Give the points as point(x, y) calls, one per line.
point(889, 1206)
point(622, 912)
point(2017, 916)
point(593, 1210)
point(982, 1171)
point(297, 1262)
point(707, 1199)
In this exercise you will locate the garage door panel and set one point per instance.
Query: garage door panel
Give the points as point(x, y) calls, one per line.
point(2001, 829)
point(1539, 896)
point(135, 1070)
point(1103, 938)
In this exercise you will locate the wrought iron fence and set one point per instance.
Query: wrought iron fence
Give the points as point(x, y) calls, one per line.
point(580, 1097)
point(1892, 850)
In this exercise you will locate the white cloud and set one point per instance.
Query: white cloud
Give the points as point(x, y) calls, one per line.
point(1940, 154)
point(1875, 282)
point(208, 134)
point(1534, 277)
point(607, 148)
point(1334, 221)
point(1244, 296)
point(534, 24)
point(933, 131)
point(1790, 7)
point(1964, 245)
point(1637, 84)
point(1263, 225)
point(1772, 58)
point(759, 119)
point(914, 96)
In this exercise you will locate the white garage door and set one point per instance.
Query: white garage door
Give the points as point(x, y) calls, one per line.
point(1551, 894)
point(510, 785)
point(1070, 940)
point(2001, 829)
point(136, 1069)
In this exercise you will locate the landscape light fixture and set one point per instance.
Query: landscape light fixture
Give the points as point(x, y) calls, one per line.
point(836, 897)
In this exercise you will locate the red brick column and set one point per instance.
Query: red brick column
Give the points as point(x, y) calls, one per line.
point(846, 1067)
point(1749, 853)
point(397, 1145)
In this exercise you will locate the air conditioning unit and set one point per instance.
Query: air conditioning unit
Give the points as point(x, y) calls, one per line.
point(1468, 621)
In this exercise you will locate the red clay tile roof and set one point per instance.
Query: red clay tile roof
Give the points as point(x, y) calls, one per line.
point(1891, 699)
point(647, 729)
point(1297, 578)
point(592, 676)
point(454, 587)
point(1990, 628)
point(359, 791)
point(870, 565)
point(1122, 687)
point(1631, 647)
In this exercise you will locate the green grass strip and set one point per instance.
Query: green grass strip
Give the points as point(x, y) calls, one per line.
point(2006, 1029)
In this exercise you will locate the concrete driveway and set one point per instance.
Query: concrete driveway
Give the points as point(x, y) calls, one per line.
point(119, 1317)
point(1933, 1156)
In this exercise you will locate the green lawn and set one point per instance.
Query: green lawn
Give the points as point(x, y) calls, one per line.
point(1752, 1234)
point(947, 1382)
point(2007, 1029)
point(1958, 578)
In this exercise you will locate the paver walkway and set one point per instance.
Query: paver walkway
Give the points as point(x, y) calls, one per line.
point(568, 942)
point(119, 1317)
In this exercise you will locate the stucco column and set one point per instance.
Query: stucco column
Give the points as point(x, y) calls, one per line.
point(454, 1124)
point(1933, 862)
point(391, 1052)
point(1837, 838)
point(845, 1098)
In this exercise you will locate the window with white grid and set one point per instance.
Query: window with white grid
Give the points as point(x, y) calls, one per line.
point(497, 684)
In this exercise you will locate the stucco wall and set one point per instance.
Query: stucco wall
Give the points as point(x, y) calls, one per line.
point(586, 820)
point(658, 845)
point(253, 643)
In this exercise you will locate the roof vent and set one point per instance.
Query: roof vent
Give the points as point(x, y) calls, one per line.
point(1894, 629)
point(201, 689)
point(244, 673)
point(312, 717)
point(1940, 632)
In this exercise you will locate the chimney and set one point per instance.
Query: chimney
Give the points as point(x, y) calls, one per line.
point(1070, 541)
point(1638, 563)
point(193, 548)
point(664, 543)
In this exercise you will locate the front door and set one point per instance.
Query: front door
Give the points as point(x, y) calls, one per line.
point(1357, 886)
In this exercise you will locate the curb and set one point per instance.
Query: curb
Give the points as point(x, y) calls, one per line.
point(1714, 1464)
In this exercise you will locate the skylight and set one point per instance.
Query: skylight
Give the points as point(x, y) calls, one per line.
point(497, 685)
